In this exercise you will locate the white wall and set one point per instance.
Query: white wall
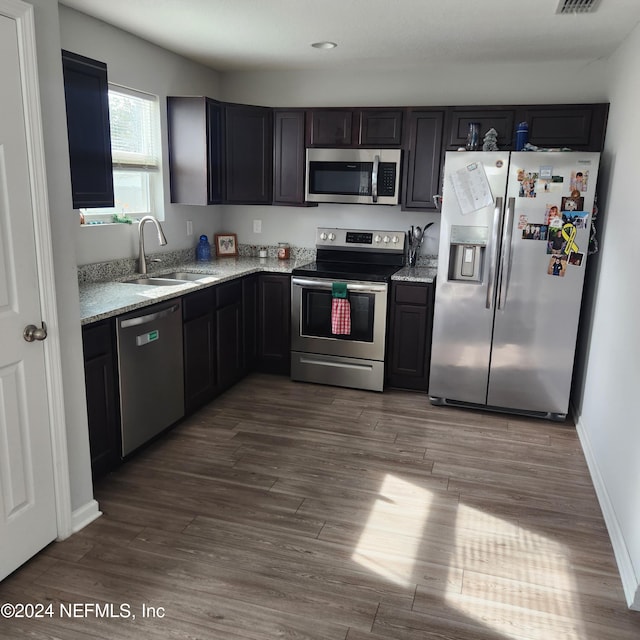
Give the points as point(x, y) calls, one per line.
point(138, 64)
point(64, 248)
point(562, 82)
point(608, 393)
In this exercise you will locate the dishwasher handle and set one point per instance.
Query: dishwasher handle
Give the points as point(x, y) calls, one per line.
point(151, 317)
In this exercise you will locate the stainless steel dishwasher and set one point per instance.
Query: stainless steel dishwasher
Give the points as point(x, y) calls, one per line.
point(151, 372)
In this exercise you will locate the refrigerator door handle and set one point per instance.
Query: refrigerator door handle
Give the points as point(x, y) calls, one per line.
point(505, 258)
point(491, 281)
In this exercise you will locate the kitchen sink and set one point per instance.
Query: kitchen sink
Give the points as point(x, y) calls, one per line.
point(189, 277)
point(158, 282)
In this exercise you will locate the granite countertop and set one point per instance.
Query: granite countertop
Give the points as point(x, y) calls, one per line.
point(100, 300)
point(415, 274)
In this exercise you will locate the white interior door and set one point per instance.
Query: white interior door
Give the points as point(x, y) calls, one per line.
point(27, 497)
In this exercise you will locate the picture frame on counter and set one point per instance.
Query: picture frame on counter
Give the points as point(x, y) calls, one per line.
point(226, 244)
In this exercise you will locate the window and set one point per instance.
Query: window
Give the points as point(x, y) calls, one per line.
point(135, 149)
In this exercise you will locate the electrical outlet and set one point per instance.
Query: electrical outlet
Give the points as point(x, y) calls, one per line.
point(189, 228)
point(257, 226)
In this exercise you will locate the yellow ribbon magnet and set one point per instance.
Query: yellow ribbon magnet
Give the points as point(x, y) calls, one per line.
point(569, 233)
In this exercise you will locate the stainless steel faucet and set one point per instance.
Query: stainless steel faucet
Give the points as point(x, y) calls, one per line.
point(142, 260)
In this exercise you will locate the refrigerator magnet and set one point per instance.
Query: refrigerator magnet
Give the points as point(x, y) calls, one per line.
point(569, 234)
point(552, 216)
point(572, 204)
point(555, 241)
point(534, 232)
point(522, 221)
point(527, 180)
point(577, 218)
point(579, 181)
point(575, 258)
point(557, 266)
point(546, 173)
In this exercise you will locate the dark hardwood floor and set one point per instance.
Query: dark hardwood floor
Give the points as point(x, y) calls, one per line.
point(288, 510)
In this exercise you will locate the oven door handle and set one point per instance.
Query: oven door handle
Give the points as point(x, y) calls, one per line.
point(363, 287)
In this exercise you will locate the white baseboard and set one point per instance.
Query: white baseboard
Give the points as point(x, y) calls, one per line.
point(85, 515)
point(630, 583)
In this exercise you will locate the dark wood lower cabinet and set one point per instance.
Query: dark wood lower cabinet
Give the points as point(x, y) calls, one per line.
point(199, 346)
point(274, 323)
point(98, 342)
point(250, 321)
point(229, 357)
point(409, 336)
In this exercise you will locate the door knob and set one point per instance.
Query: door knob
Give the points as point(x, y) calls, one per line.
point(31, 332)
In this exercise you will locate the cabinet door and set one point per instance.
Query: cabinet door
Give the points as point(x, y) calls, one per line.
point(289, 157)
point(195, 150)
point(409, 345)
point(274, 331)
point(250, 321)
point(330, 127)
point(423, 157)
point(248, 154)
point(199, 361)
point(502, 120)
point(87, 100)
point(580, 127)
point(102, 397)
point(380, 128)
point(229, 357)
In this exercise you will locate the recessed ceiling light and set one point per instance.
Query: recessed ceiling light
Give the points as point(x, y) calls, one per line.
point(324, 45)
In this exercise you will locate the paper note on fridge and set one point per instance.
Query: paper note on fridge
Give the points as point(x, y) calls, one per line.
point(472, 188)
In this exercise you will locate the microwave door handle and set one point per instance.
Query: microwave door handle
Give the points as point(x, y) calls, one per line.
point(374, 178)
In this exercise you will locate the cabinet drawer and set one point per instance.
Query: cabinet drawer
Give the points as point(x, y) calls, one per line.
point(97, 339)
point(197, 304)
point(229, 293)
point(411, 294)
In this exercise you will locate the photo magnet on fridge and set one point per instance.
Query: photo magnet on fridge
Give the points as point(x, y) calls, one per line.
point(557, 266)
point(579, 181)
point(572, 204)
point(522, 221)
point(555, 241)
point(576, 259)
point(577, 218)
point(552, 216)
point(527, 180)
point(534, 232)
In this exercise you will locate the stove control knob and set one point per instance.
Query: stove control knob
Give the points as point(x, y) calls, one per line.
point(332, 236)
point(395, 239)
point(377, 238)
point(386, 239)
point(323, 236)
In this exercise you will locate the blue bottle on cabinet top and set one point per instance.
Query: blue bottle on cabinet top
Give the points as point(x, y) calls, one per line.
point(522, 136)
point(203, 250)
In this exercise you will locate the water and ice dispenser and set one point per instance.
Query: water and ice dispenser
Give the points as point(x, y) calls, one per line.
point(467, 248)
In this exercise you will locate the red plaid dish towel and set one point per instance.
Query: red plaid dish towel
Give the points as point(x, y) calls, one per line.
point(340, 317)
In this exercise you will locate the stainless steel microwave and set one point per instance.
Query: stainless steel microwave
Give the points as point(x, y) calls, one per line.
point(353, 176)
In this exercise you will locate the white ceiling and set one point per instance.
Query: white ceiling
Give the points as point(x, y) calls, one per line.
point(230, 35)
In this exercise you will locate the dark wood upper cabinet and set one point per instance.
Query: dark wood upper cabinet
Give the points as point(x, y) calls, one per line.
point(580, 127)
point(87, 101)
point(248, 155)
point(195, 150)
point(381, 128)
point(373, 127)
point(288, 157)
point(422, 159)
point(330, 127)
point(502, 120)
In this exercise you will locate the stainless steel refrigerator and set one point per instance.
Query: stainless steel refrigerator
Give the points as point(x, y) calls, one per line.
point(513, 249)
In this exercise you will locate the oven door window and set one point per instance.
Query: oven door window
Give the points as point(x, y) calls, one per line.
point(340, 178)
point(316, 315)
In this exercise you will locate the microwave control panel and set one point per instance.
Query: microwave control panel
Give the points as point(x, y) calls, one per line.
point(387, 179)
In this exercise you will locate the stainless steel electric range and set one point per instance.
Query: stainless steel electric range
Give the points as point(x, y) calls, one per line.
point(364, 261)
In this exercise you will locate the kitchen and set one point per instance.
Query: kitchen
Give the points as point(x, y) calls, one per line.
point(610, 348)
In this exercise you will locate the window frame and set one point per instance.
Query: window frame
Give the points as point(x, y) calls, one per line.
point(153, 170)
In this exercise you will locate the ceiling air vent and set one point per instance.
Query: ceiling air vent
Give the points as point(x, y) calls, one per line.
point(577, 6)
